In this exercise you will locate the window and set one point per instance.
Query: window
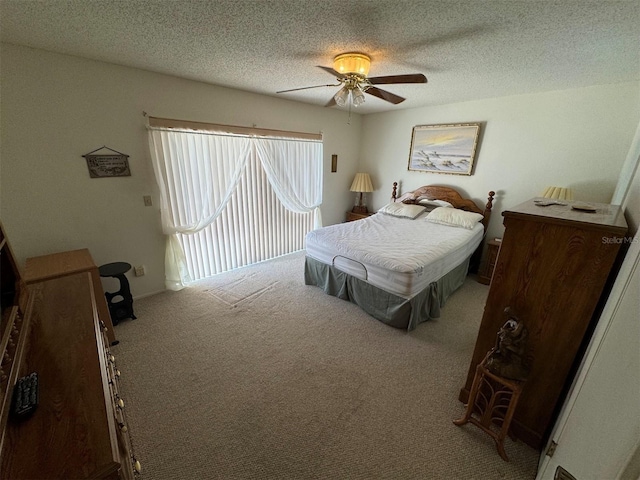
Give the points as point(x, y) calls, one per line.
point(254, 226)
point(228, 200)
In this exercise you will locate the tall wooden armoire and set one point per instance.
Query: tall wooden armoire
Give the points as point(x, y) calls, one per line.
point(552, 269)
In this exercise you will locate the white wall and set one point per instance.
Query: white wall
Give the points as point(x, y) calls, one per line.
point(577, 138)
point(55, 108)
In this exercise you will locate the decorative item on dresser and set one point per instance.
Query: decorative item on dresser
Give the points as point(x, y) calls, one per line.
point(552, 269)
point(79, 427)
point(558, 193)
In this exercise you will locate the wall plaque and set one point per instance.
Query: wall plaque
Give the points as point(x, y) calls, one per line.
point(114, 164)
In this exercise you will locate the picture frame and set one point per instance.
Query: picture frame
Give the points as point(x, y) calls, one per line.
point(447, 148)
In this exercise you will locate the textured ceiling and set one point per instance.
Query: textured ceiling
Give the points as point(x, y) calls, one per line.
point(467, 49)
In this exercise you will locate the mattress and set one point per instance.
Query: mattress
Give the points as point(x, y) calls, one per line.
point(399, 255)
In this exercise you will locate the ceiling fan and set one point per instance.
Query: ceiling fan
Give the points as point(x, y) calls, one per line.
point(351, 71)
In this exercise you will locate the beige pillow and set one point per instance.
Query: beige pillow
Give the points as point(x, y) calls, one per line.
point(454, 217)
point(402, 210)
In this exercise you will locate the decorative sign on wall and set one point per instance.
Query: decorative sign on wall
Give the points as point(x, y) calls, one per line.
point(114, 164)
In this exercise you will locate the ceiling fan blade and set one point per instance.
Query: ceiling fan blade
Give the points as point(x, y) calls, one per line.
point(410, 78)
point(384, 95)
point(331, 71)
point(306, 88)
point(331, 102)
point(459, 34)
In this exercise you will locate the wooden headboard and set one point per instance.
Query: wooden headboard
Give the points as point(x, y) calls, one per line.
point(448, 194)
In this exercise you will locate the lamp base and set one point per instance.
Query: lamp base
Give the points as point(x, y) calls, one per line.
point(360, 209)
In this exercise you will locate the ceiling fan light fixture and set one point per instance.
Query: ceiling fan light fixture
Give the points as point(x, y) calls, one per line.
point(342, 97)
point(357, 97)
point(358, 63)
point(351, 72)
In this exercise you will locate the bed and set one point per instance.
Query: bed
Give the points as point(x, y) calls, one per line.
point(402, 263)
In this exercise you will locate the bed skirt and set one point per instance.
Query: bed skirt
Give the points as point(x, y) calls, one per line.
point(396, 311)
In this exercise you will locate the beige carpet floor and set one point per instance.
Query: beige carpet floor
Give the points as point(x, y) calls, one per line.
point(253, 375)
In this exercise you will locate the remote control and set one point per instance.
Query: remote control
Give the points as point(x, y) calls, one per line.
point(25, 395)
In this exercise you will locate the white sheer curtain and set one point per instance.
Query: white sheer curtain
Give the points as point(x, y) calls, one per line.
point(294, 173)
point(198, 172)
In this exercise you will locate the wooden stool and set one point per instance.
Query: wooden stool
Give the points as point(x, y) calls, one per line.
point(123, 308)
point(493, 400)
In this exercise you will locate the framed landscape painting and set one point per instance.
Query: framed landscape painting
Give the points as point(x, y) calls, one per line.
point(444, 148)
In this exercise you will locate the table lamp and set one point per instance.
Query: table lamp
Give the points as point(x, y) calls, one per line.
point(362, 185)
point(558, 193)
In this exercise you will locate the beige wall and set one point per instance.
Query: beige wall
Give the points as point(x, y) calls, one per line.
point(577, 138)
point(55, 108)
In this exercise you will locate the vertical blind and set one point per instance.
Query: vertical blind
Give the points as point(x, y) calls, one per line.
point(231, 200)
point(254, 226)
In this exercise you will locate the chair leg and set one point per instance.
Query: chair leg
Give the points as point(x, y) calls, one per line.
point(472, 399)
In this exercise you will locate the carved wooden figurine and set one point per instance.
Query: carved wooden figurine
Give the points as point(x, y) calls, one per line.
point(498, 383)
point(508, 358)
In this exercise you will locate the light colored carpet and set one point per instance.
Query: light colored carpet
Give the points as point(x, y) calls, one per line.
point(253, 375)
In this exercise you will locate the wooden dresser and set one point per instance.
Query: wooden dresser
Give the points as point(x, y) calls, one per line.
point(79, 428)
point(551, 270)
point(60, 264)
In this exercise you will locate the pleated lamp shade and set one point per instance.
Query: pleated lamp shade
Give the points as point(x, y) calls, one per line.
point(362, 183)
point(558, 193)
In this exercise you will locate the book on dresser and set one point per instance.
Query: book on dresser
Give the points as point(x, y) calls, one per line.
point(552, 270)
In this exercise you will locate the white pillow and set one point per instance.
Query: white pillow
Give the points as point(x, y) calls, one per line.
point(454, 217)
point(402, 210)
point(436, 203)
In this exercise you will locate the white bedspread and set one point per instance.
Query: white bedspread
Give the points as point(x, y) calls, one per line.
point(401, 256)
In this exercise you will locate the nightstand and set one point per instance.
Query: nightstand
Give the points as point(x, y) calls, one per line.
point(485, 274)
point(351, 216)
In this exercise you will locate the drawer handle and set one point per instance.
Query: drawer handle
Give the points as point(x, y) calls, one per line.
point(120, 403)
point(117, 374)
point(123, 427)
point(136, 466)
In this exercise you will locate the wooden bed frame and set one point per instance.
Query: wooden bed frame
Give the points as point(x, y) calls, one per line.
point(448, 194)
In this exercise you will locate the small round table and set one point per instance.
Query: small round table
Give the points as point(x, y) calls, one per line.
point(120, 309)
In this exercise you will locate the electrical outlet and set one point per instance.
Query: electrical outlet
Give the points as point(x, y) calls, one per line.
point(147, 201)
point(139, 270)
